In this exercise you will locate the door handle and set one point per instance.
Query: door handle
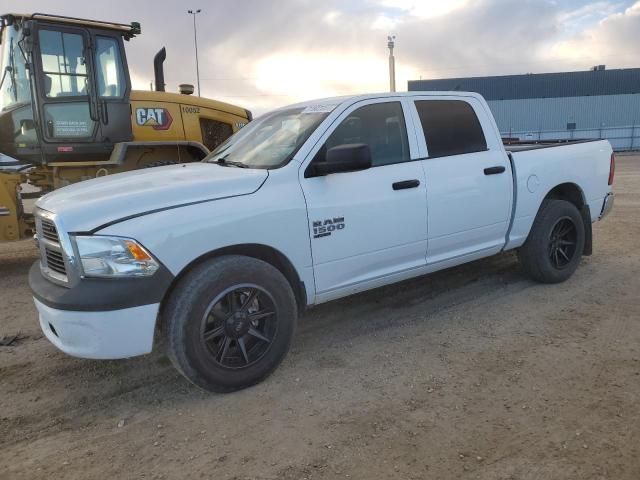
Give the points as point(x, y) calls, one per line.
point(494, 170)
point(93, 104)
point(105, 112)
point(406, 184)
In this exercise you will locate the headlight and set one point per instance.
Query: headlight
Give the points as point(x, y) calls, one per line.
point(114, 257)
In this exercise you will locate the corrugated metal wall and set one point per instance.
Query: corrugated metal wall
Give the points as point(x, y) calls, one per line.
point(615, 117)
point(596, 104)
point(555, 113)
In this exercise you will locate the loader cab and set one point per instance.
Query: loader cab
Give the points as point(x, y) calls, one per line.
point(65, 91)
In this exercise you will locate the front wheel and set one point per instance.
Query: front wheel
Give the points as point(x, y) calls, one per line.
point(229, 322)
point(555, 244)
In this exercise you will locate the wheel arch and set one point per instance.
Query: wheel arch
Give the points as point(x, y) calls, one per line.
point(568, 191)
point(572, 193)
point(262, 252)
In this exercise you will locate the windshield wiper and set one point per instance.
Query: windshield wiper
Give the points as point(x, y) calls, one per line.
point(11, 69)
point(222, 161)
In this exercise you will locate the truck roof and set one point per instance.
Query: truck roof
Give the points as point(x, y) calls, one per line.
point(335, 101)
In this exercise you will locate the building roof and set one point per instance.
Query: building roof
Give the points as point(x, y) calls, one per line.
point(544, 85)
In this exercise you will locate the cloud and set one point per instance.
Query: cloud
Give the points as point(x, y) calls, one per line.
point(425, 8)
point(613, 40)
point(261, 54)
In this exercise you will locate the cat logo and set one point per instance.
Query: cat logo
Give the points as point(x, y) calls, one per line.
point(157, 118)
point(324, 228)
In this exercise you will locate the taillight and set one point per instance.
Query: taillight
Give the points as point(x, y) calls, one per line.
point(612, 168)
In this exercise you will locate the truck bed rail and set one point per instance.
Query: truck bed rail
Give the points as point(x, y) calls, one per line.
point(515, 145)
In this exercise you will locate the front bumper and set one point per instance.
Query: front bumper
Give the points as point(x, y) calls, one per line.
point(100, 317)
point(101, 335)
point(607, 205)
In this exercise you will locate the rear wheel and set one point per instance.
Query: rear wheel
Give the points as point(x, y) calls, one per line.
point(229, 323)
point(556, 242)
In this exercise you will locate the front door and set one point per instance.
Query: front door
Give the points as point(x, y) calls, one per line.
point(84, 88)
point(370, 224)
point(67, 102)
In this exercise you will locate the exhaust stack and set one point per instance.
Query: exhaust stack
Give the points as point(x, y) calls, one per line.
point(158, 69)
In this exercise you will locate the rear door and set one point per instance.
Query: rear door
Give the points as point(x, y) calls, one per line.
point(369, 224)
point(468, 176)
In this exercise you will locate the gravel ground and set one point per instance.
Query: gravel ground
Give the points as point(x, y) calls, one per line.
point(475, 372)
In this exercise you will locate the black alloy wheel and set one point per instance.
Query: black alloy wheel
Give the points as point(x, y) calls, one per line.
point(229, 322)
point(555, 243)
point(239, 326)
point(562, 243)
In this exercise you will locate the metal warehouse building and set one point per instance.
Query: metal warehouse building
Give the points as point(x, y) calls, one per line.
point(598, 103)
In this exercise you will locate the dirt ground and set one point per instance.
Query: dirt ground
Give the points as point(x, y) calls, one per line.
point(475, 372)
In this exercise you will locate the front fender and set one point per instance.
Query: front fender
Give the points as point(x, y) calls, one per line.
point(275, 216)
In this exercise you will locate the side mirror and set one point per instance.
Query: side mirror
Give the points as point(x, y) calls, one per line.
point(343, 158)
point(26, 124)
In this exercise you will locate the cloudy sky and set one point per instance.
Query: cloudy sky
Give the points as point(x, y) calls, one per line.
point(265, 53)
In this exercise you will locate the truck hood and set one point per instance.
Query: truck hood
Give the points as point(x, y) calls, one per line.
point(87, 205)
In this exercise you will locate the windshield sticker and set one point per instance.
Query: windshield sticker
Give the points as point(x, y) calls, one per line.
point(319, 109)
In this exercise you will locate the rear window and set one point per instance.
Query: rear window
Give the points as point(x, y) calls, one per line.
point(450, 127)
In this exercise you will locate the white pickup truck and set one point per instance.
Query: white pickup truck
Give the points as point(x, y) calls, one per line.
point(214, 261)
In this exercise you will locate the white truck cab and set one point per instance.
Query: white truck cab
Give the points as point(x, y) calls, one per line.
point(311, 202)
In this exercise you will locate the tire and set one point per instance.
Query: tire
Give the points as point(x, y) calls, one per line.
point(244, 347)
point(548, 256)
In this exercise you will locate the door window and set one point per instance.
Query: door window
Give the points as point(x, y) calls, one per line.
point(381, 126)
point(109, 68)
point(450, 127)
point(63, 64)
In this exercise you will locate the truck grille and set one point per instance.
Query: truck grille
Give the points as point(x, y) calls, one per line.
point(52, 255)
point(55, 261)
point(49, 231)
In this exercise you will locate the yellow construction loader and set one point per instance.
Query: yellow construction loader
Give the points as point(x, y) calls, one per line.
point(68, 113)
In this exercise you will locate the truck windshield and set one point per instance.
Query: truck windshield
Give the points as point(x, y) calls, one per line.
point(271, 140)
point(15, 87)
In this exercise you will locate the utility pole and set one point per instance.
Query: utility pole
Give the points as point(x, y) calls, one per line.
point(392, 63)
point(195, 41)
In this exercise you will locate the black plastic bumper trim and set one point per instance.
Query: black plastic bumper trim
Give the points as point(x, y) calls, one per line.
point(100, 294)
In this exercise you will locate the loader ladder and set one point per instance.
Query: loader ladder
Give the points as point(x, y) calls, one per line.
point(14, 224)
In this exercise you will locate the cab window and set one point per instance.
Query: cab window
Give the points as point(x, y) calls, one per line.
point(111, 82)
point(381, 126)
point(63, 63)
point(451, 127)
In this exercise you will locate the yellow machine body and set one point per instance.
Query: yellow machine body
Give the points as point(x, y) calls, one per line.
point(163, 116)
point(165, 127)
